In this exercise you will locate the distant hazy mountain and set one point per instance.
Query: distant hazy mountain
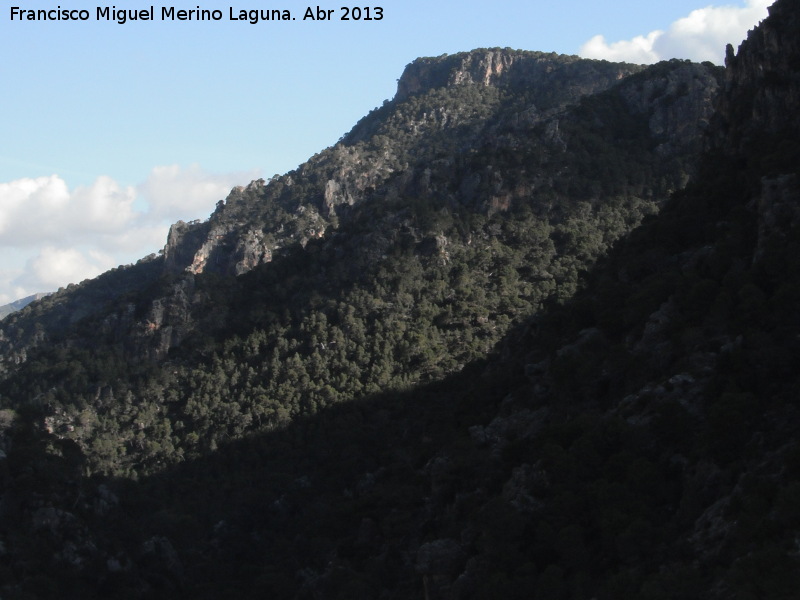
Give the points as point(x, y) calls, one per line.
point(19, 304)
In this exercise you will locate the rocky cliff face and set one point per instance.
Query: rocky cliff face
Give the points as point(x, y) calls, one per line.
point(512, 69)
point(217, 245)
point(679, 104)
point(762, 83)
point(497, 98)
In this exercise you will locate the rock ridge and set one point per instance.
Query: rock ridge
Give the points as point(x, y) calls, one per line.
point(762, 84)
point(504, 67)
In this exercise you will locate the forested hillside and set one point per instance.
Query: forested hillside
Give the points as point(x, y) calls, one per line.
point(490, 345)
point(394, 258)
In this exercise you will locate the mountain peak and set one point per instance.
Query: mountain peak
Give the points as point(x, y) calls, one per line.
point(12, 307)
point(762, 84)
point(505, 67)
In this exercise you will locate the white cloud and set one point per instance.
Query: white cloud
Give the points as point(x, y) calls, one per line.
point(134, 240)
point(10, 270)
point(639, 50)
point(103, 207)
point(56, 267)
point(51, 236)
point(700, 36)
point(175, 192)
point(43, 209)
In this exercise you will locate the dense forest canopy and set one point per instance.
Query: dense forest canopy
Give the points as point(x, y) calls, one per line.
point(529, 329)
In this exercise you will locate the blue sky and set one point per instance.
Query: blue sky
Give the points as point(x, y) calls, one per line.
point(112, 132)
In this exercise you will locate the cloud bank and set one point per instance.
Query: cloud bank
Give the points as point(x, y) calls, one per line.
point(51, 235)
point(700, 36)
